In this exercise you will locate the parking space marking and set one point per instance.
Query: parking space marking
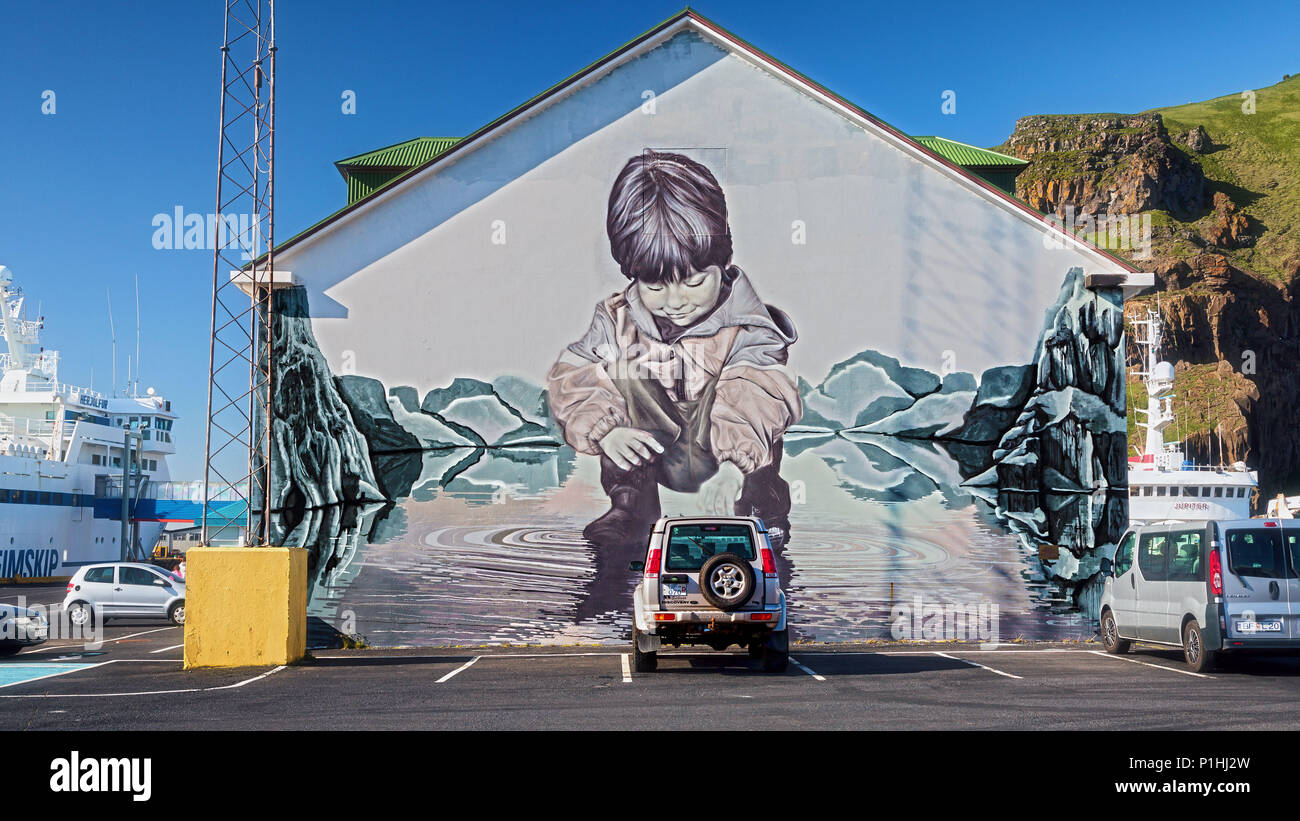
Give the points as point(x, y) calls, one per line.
point(807, 670)
point(11, 674)
point(165, 649)
point(143, 633)
point(485, 656)
point(459, 669)
point(1149, 664)
point(977, 664)
point(145, 692)
point(627, 670)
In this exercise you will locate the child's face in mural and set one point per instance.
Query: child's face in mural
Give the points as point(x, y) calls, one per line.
point(682, 301)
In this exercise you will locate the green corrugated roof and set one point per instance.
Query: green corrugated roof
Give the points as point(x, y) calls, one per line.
point(367, 173)
point(406, 154)
point(965, 155)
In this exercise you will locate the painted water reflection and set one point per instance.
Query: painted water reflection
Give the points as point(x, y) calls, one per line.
point(486, 548)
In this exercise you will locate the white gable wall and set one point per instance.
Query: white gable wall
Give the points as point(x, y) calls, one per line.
point(900, 256)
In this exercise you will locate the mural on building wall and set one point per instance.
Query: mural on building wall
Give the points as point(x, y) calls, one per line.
point(500, 503)
point(680, 381)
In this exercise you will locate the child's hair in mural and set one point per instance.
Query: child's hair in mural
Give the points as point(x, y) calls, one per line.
point(667, 216)
point(680, 380)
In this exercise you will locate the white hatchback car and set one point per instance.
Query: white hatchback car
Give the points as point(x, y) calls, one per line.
point(121, 589)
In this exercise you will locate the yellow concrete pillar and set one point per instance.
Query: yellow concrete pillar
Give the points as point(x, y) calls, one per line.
point(245, 606)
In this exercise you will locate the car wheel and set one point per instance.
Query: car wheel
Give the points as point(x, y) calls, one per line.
point(776, 652)
point(643, 662)
point(1200, 658)
point(81, 614)
point(177, 612)
point(727, 581)
point(1110, 640)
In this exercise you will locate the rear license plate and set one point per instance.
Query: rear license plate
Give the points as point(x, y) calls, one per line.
point(674, 589)
point(1271, 626)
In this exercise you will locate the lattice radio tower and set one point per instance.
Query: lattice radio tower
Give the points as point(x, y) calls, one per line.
point(236, 470)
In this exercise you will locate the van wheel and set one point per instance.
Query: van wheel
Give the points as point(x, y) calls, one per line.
point(1110, 640)
point(177, 613)
point(756, 649)
point(643, 662)
point(1200, 658)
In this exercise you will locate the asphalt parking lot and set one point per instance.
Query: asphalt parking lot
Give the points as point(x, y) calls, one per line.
point(135, 681)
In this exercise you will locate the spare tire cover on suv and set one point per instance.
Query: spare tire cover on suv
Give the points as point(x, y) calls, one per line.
point(727, 581)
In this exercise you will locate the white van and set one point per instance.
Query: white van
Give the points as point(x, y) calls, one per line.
point(1208, 587)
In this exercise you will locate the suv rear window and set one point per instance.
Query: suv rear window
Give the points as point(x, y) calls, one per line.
point(690, 546)
point(1258, 552)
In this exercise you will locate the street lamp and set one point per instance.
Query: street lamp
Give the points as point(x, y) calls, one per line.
point(127, 435)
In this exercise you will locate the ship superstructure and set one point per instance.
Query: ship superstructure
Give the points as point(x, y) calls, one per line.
point(62, 453)
point(1164, 485)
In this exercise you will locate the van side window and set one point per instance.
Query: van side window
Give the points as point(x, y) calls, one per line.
point(1124, 555)
point(1153, 551)
point(1185, 557)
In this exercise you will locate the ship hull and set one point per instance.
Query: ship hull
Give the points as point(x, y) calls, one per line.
point(51, 522)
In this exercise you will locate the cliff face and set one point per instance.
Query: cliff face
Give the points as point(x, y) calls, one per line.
point(1103, 163)
point(1235, 337)
point(1222, 193)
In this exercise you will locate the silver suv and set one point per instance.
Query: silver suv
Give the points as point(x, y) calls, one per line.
point(709, 580)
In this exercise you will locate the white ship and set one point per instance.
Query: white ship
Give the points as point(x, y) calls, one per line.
point(61, 460)
point(1163, 484)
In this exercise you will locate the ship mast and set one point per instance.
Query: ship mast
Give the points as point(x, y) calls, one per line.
point(1158, 376)
point(21, 335)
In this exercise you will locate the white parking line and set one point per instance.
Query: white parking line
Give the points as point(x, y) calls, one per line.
point(627, 669)
point(1149, 664)
point(146, 692)
point(165, 649)
point(810, 672)
point(142, 633)
point(77, 669)
point(976, 664)
point(485, 656)
point(459, 669)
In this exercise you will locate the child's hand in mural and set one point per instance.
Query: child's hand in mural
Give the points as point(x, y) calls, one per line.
point(630, 447)
point(720, 491)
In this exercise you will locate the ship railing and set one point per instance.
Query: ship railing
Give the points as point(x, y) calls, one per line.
point(192, 491)
point(26, 427)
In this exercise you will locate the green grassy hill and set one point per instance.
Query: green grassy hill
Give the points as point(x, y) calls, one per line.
point(1255, 160)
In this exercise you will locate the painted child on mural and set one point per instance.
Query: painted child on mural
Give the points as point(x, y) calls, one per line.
point(680, 381)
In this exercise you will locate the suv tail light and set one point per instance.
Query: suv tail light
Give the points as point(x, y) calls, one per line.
point(652, 562)
point(70, 586)
point(1216, 572)
point(769, 562)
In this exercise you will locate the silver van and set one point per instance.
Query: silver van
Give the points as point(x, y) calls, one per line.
point(1208, 587)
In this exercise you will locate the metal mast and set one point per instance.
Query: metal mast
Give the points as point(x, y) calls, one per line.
point(236, 467)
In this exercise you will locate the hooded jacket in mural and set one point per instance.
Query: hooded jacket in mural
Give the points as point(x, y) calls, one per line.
point(738, 352)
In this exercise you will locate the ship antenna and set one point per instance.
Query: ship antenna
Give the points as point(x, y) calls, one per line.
point(135, 389)
point(112, 331)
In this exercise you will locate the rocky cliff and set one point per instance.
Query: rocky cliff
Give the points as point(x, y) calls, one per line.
point(1221, 183)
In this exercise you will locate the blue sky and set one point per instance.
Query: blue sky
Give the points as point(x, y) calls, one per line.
point(136, 89)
